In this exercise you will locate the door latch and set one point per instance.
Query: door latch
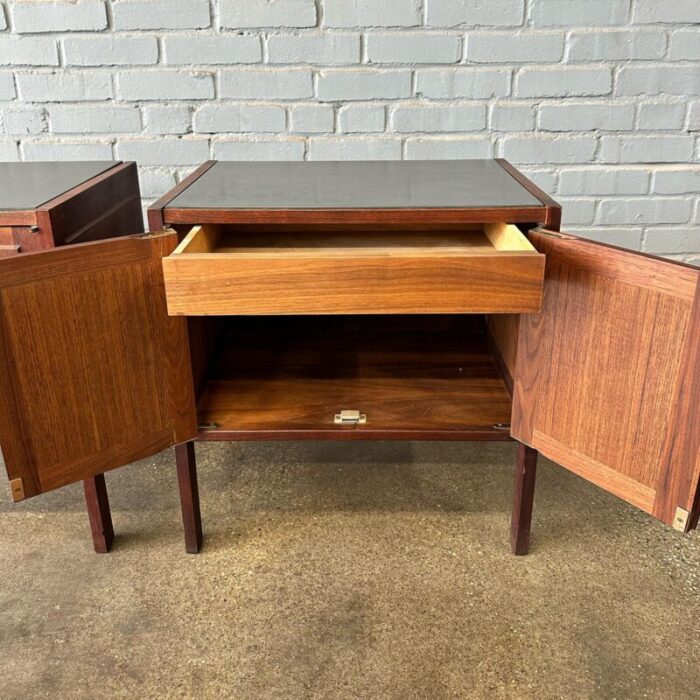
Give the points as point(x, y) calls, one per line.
point(349, 418)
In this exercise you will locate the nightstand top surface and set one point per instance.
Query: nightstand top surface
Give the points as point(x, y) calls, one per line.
point(26, 186)
point(460, 184)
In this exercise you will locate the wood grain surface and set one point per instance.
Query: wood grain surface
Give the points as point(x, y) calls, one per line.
point(99, 514)
point(220, 272)
point(606, 380)
point(523, 496)
point(106, 206)
point(435, 217)
point(94, 373)
point(186, 465)
point(503, 335)
point(415, 378)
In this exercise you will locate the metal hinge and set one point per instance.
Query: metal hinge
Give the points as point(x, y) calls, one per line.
point(17, 490)
point(349, 418)
point(208, 426)
point(680, 520)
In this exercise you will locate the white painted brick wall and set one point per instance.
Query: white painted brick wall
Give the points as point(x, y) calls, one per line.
point(598, 100)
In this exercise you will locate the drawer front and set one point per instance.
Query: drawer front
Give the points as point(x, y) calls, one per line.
point(407, 280)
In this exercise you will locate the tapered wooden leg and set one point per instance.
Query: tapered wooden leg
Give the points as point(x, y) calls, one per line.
point(189, 496)
point(522, 499)
point(99, 513)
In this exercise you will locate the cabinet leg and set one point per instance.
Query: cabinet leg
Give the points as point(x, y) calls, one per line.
point(521, 517)
point(99, 513)
point(189, 496)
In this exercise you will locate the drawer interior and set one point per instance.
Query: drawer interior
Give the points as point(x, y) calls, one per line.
point(329, 241)
point(231, 269)
point(412, 377)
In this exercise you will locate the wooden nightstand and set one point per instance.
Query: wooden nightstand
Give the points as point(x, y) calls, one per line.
point(341, 301)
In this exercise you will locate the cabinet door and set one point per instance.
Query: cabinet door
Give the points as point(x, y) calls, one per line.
point(93, 372)
point(607, 377)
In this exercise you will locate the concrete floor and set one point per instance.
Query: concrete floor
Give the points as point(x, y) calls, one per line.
point(336, 570)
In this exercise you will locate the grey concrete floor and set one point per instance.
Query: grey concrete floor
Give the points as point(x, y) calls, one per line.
point(336, 570)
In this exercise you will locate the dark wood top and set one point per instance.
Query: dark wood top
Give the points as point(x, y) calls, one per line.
point(26, 186)
point(446, 184)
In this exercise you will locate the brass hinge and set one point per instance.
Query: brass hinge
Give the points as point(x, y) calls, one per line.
point(680, 520)
point(349, 418)
point(17, 490)
point(208, 426)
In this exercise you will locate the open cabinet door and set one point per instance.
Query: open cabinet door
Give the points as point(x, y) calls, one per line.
point(607, 377)
point(93, 372)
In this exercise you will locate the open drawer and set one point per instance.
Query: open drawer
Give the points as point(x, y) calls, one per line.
point(240, 270)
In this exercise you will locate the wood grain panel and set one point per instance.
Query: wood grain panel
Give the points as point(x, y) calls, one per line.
point(609, 479)
point(7, 235)
point(23, 239)
point(8, 245)
point(17, 217)
point(599, 371)
point(680, 483)
point(290, 272)
point(430, 284)
point(105, 206)
point(422, 378)
point(503, 332)
point(7, 250)
point(352, 216)
point(94, 374)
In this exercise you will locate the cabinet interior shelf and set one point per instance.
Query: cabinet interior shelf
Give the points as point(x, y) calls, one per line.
point(428, 377)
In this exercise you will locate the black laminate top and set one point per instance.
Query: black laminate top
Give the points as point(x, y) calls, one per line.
point(462, 184)
point(26, 186)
